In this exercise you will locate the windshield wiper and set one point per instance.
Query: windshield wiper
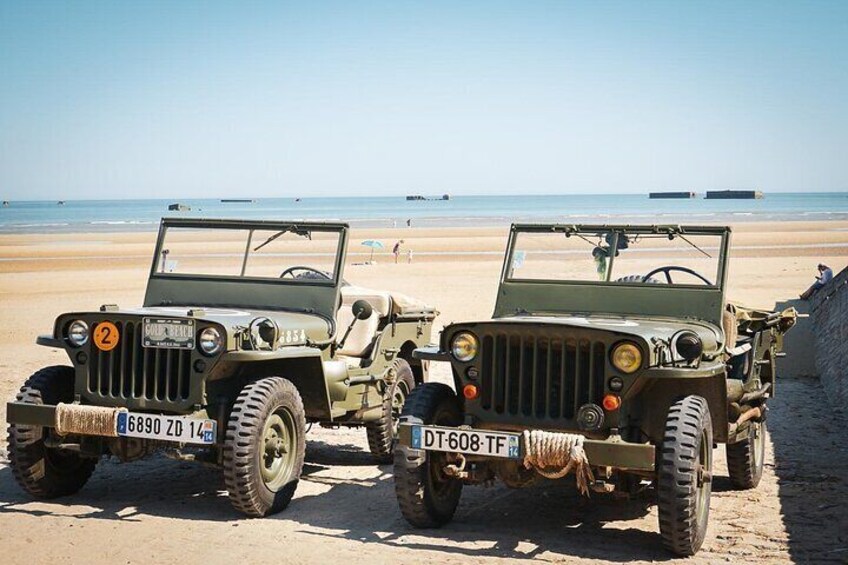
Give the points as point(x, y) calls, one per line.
point(569, 233)
point(292, 229)
point(671, 234)
point(683, 237)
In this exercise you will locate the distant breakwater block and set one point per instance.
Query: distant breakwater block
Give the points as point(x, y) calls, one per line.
point(734, 195)
point(418, 197)
point(683, 195)
point(829, 314)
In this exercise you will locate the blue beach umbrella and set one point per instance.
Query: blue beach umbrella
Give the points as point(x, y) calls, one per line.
point(373, 244)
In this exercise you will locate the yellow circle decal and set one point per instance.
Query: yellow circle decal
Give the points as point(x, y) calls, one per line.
point(106, 336)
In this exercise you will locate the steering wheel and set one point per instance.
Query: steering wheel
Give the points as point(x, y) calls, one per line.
point(308, 273)
point(666, 270)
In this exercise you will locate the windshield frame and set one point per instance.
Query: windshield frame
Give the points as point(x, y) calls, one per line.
point(523, 297)
point(251, 226)
point(718, 231)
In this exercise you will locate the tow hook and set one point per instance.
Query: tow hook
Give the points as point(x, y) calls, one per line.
point(457, 471)
point(601, 486)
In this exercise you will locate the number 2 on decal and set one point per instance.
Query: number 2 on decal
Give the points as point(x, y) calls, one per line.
point(106, 336)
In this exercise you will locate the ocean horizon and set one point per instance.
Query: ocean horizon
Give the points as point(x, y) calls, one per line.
point(388, 211)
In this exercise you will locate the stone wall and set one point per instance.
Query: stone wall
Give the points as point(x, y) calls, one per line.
point(798, 343)
point(829, 315)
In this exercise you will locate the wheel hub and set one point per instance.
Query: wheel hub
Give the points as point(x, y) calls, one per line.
point(276, 446)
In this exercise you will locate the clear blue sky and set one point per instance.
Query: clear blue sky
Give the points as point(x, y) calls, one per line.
point(169, 99)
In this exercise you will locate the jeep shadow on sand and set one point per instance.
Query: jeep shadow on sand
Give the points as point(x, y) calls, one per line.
point(247, 333)
point(612, 354)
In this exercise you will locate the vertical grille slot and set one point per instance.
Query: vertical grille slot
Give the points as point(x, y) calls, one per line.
point(540, 376)
point(130, 371)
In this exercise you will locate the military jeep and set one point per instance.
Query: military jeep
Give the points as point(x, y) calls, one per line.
point(248, 332)
point(612, 353)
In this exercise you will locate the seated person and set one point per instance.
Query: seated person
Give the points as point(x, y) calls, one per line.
point(825, 276)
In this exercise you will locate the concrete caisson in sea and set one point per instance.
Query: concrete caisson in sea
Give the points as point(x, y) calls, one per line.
point(681, 194)
point(418, 197)
point(734, 195)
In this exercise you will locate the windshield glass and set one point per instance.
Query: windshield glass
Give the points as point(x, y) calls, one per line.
point(287, 253)
point(667, 256)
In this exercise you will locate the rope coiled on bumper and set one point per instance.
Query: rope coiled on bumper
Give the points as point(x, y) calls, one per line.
point(87, 420)
point(553, 455)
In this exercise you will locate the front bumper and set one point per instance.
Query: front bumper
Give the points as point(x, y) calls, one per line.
point(43, 415)
point(612, 452)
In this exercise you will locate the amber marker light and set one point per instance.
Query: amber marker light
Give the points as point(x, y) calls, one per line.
point(470, 391)
point(612, 402)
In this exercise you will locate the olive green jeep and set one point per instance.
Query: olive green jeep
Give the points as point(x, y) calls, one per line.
point(612, 354)
point(248, 332)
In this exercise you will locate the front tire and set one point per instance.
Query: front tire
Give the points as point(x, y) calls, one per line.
point(684, 483)
point(745, 458)
point(45, 472)
point(383, 432)
point(264, 447)
point(427, 497)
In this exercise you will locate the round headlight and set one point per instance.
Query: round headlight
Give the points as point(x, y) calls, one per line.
point(689, 346)
point(78, 333)
point(464, 346)
point(626, 357)
point(211, 341)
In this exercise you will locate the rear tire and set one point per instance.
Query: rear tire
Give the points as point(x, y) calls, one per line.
point(684, 482)
point(264, 447)
point(383, 432)
point(745, 458)
point(45, 472)
point(427, 497)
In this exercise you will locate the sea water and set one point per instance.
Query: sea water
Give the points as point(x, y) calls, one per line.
point(125, 215)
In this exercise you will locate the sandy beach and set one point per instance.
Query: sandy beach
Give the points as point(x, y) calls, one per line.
point(345, 508)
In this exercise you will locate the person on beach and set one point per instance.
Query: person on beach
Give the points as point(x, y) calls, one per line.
point(409, 256)
point(409, 223)
point(825, 276)
point(396, 250)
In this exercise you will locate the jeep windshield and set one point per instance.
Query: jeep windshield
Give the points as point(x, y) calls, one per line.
point(288, 253)
point(655, 255)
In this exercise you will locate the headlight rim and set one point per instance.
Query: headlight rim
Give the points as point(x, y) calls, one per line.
point(625, 343)
point(69, 333)
point(474, 339)
point(219, 339)
point(695, 355)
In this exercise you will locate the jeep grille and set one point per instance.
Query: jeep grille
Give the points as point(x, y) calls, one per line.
point(131, 371)
point(539, 374)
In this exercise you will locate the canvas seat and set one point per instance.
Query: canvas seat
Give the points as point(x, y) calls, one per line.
point(359, 341)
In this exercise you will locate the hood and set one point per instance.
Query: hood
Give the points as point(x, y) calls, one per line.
point(296, 328)
point(644, 329)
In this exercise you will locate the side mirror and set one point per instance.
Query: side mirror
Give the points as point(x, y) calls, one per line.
point(362, 310)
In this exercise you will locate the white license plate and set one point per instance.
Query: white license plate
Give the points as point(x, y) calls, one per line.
point(168, 428)
point(454, 440)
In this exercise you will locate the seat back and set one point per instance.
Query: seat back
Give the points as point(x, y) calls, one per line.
point(358, 343)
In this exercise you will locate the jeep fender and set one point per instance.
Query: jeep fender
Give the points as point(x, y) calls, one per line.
point(301, 365)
